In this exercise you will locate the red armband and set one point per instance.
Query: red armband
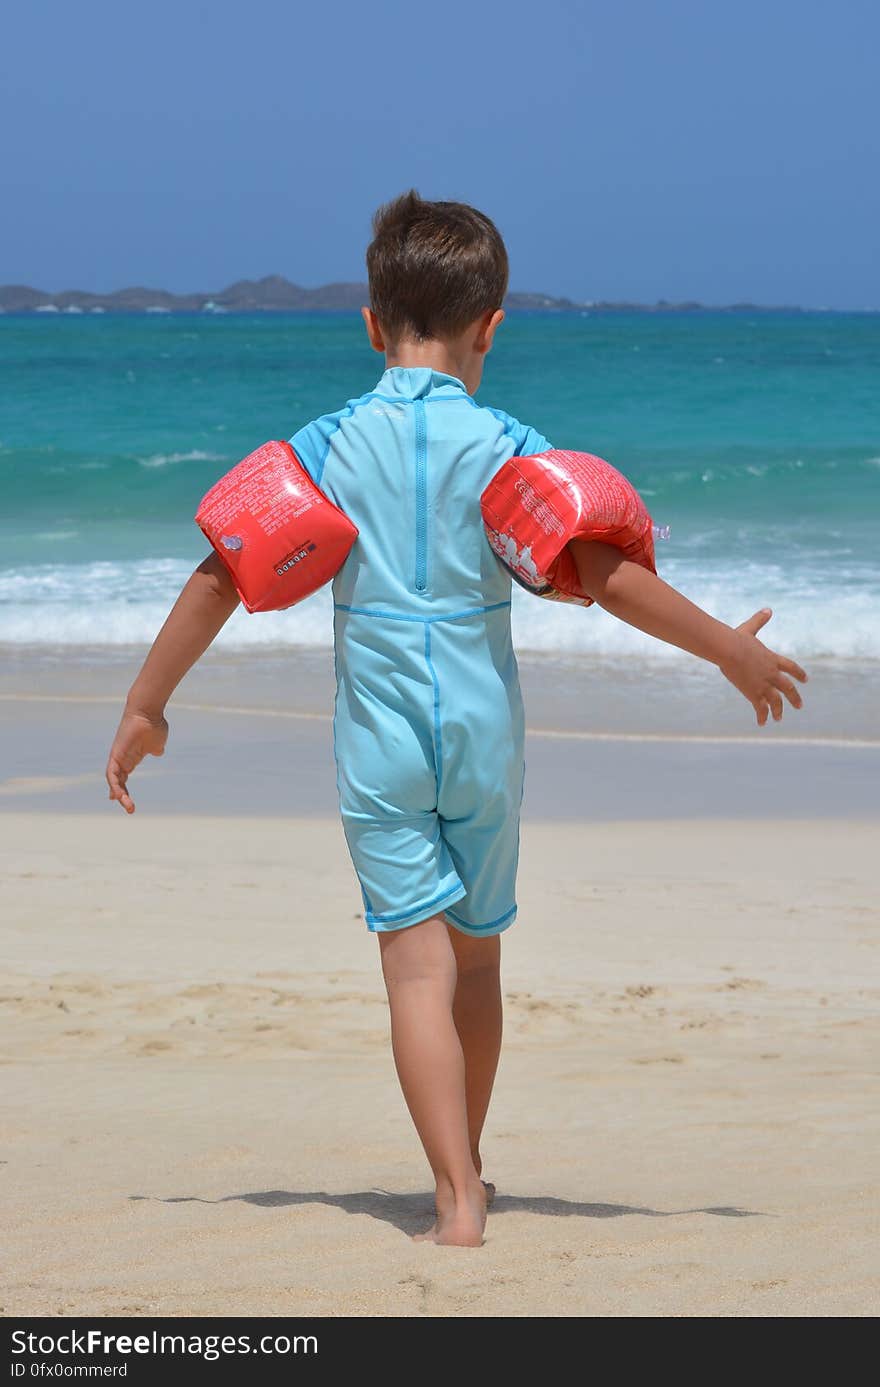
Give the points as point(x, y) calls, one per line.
point(533, 506)
point(278, 535)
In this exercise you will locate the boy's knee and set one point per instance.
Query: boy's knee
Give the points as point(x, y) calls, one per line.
point(416, 952)
point(474, 955)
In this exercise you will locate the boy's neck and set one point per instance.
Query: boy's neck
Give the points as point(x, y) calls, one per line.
point(438, 356)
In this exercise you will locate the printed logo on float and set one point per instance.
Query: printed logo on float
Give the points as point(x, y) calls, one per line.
point(294, 557)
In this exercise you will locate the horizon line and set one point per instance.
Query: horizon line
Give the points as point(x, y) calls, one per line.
point(27, 298)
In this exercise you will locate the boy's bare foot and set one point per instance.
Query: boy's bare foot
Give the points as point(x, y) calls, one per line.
point(459, 1222)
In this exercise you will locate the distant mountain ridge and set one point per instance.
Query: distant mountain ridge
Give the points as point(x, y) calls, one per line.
point(275, 294)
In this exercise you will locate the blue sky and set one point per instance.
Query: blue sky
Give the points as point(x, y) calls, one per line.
point(627, 149)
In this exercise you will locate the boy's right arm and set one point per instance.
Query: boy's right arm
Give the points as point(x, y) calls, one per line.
point(639, 597)
point(205, 604)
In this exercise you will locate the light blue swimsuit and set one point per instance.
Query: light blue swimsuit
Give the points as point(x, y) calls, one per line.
point(428, 727)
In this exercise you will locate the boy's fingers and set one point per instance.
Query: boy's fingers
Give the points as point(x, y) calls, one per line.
point(791, 667)
point(116, 779)
point(788, 688)
point(776, 705)
point(755, 622)
point(761, 711)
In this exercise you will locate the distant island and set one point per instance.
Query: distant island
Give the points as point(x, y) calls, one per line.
point(274, 294)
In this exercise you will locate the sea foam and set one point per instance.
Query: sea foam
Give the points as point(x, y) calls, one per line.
point(168, 459)
point(829, 611)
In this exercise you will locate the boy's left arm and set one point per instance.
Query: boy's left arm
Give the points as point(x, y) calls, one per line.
point(640, 598)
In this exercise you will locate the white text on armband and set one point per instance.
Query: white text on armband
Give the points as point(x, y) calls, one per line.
point(539, 508)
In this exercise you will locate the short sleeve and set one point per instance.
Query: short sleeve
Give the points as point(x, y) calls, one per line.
point(312, 443)
point(526, 440)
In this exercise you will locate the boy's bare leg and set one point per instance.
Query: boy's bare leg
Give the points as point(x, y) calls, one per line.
point(477, 1012)
point(420, 974)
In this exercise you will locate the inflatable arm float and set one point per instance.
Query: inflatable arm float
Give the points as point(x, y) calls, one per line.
point(533, 506)
point(279, 537)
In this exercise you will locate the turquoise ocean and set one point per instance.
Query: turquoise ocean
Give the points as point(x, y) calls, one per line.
point(755, 438)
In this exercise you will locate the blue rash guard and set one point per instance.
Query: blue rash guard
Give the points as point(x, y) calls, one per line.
point(428, 725)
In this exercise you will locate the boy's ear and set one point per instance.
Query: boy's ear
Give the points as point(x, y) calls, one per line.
point(374, 332)
point(486, 331)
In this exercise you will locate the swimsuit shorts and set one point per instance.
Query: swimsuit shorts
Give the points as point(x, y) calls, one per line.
point(430, 775)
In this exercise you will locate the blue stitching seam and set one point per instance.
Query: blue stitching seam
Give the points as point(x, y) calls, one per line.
point(347, 414)
point(402, 616)
point(421, 578)
point(508, 422)
point(438, 735)
point(413, 910)
point(491, 925)
point(349, 410)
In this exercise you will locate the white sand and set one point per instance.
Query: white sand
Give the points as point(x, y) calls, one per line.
point(201, 1114)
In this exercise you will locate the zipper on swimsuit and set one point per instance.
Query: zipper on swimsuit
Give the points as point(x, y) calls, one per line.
point(421, 576)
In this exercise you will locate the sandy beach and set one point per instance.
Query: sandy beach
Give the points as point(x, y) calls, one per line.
point(200, 1109)
point(253, 342)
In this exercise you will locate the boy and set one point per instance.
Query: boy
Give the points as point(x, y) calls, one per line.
point(428, 725)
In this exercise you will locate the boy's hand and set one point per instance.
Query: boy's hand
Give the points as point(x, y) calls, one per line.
point(759, 673)
point(138, 735)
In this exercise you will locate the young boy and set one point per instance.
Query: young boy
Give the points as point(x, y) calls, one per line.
point(428, 727)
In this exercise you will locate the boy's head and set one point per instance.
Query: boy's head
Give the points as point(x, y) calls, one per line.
point(438, 276)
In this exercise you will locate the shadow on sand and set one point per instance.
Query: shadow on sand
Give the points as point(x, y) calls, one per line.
point(410, 1212)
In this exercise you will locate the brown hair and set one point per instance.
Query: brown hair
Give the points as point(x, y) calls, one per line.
point(433, 267)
